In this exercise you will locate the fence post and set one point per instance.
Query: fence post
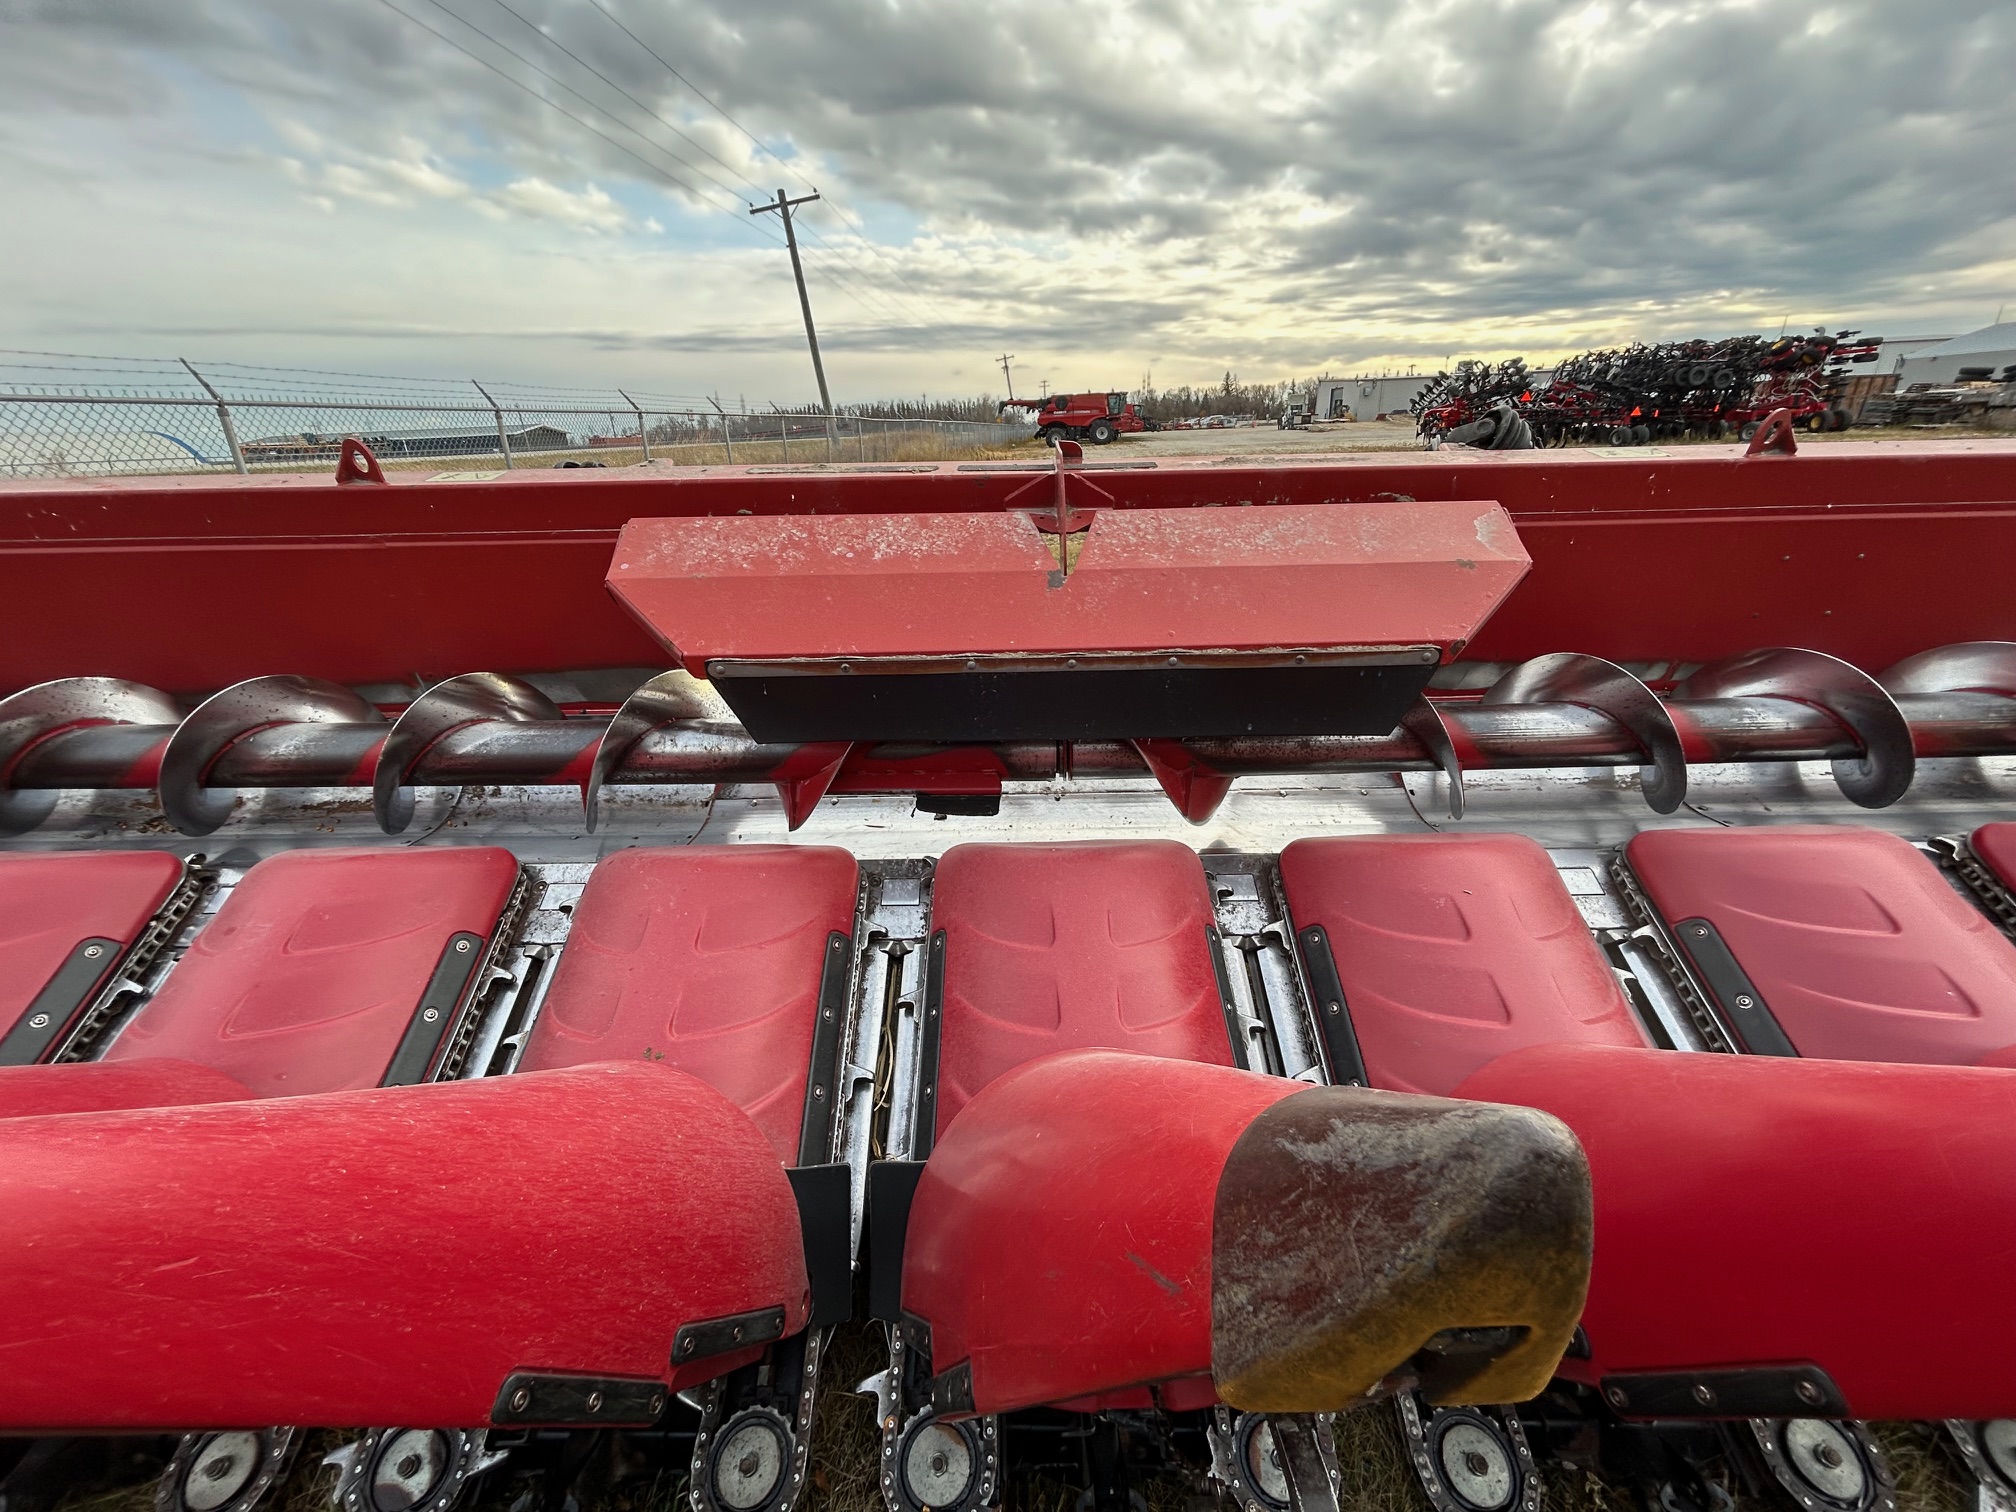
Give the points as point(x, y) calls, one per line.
point(503, 441)
point(727, 443)
point(784, 430)
point(223, 416)
point(832, 437)
point(643, 435)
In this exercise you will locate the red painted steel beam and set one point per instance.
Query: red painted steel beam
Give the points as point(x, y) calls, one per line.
point(428, 578)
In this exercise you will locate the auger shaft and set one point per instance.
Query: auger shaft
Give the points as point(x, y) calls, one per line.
point(1487, 737)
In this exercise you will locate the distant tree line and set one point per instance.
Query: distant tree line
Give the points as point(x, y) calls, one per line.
point(1254, 401)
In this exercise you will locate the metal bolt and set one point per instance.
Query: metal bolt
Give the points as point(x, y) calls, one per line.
point(1701, 929)
point(1617, 1396)
point(1744, 1000)
point(462, 947)
point(1704, 1394)
point(1336, 1007)
point(594, 1401)
point(92, 952)
point(1175, 661)
point(738, 1330)
point(521, 1399)
point(657, 1403)
point(1807, 1392)
point(40, 1021)
point(819, 1092)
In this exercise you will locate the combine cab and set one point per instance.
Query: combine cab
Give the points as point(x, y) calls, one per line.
point(514, 968)
point(1098, 418)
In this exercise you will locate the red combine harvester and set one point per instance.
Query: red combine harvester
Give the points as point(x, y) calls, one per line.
point(1098, 418)
point(1185, 949)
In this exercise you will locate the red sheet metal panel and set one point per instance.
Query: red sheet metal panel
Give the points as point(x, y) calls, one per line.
point(1453, 950)
point(1762, 1212)
point(1080, 946)
point(50, 905)
point(309, 975)
point(708, 960)
point(1856, 944)
point(1311, 575)
point(380, 1257)
point(1640, 553)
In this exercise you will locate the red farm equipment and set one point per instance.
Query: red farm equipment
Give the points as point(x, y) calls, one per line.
point(1098, 418)
point(1708, 390)
point(1166, 953)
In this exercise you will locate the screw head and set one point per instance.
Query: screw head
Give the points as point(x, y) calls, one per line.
point(1744, 1000)
point(40, 1021)
point(1704, 1394)
point(594, 1401)
point(1617, 1396)
point(1700, 929)
point(92, 952)
point(462, 947)
point(1807, 1391)
point(521, 1398)
point(431, 1014)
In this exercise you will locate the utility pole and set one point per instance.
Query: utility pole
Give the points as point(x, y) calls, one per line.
point(1007, 377)
point(783, 207)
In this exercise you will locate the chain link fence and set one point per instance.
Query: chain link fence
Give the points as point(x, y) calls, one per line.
point(63, 415)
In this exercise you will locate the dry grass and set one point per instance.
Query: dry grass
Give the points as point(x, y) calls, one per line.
point(1374, 1474)
point(1930, 1476)
point(846, 1441)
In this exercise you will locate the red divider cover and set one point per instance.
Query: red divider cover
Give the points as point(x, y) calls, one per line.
point(49, 905)
point(1060, 1239)
point(387, 1256)
point(1093, 945)
point(708, 960)
point(313, 968)
point(1756, 1211)
point(1860, 948)
point(1995, 844)
point(98, 1087)
point(1454, 950)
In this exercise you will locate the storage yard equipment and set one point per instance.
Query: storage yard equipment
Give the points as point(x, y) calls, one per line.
point(1638, 394)
point(1519, 940)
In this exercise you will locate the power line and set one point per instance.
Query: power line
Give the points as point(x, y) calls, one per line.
point(757, 142)
point(888, 311)
point(661, 171)
point(892, 307)
point(628, 152)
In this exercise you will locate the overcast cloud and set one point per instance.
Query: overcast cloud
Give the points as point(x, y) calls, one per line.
point(1169, 186)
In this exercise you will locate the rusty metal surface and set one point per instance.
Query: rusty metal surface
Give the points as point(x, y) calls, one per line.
point(1460, 1216)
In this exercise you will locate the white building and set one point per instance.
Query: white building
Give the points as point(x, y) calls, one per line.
point(1992, 347)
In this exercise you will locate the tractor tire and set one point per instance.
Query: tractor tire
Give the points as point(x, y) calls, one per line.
point(1620, 435)
point(1839, 419)
point(1102, 433)
point(1049, 434)
point(1749, 429)
point(1819, 421)
point(1640, 434)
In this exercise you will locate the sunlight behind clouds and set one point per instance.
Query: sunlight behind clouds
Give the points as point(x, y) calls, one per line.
point(1190, 187)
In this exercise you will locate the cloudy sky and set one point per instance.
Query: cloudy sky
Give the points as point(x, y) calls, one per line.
point(556, 189)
